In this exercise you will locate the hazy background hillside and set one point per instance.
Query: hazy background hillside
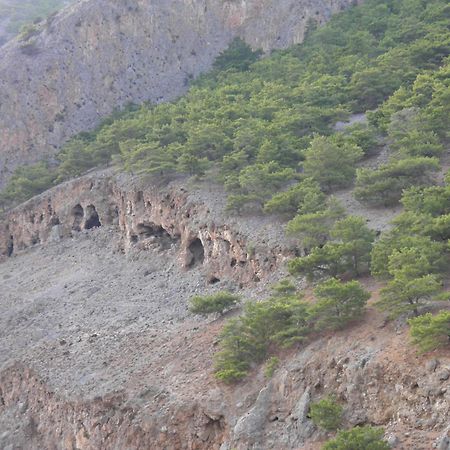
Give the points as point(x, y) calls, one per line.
point(16, 13)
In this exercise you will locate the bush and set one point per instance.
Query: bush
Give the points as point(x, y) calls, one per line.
point(331, 162)
point(271, 366)
point(216, 303)
point(384, 186)
point(430, 332)
point(359, 438)
point(284, 288)
point(278, 321)
point(28, 31)
point(238, 56)
point(364, 137)
point(305, 197)
point(413, 281)
point(349, 251)
point(404, 295)
point(326, 414)
point(26, 182)
point(338, 303)
point(312, 229)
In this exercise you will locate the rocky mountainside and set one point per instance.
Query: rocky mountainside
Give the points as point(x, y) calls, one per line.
point(98, 350)
point(15, 14)
point(261, 265)
point(99, 55)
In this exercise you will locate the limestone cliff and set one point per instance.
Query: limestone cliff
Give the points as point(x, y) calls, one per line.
point(98, 55)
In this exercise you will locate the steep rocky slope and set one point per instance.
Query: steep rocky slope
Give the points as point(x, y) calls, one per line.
point(15, 14)
point(99, 55)
point(98, 350)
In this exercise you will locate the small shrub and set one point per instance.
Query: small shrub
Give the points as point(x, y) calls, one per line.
point(338, 303)
point(271, 366)
point(277, 321)
point(359, 438)
point(216, 303)
point(28, 31)
point(284, 287)
point(326, 414)
point(384, 186)
point(430, 332)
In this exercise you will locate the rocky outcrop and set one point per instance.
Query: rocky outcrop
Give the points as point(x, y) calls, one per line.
point(371, 376)
point(98, 351)
point(98, 55)
point(147, 216)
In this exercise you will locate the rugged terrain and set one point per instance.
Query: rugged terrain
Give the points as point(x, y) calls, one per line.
point(98, 55)
point(16, 14)
point(98, 349)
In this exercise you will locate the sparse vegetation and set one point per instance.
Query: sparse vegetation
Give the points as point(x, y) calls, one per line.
point(358, 438)
point(271, 366)
point(266, 129)
point(430, 332)
point(23, 15)
point(282, 321)
point(265, 124)
point(326, 413)
point(215, 303)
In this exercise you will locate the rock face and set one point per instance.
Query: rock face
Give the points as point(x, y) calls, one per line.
point(98, 55)
point(147, 216)
point(98, 350)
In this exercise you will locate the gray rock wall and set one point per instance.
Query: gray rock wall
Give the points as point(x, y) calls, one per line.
point(99, 55)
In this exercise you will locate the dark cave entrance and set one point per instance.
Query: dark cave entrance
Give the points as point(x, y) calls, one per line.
point(197, 252)
point(77, 214)
point(147, 230)
point(156, 234)
point(92, 219)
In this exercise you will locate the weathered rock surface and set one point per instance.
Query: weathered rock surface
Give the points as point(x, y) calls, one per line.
point(98, 350)
point(98, 55)
point(150, 216)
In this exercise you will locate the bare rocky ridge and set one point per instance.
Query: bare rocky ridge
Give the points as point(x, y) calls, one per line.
point(98, 350)
point(98, 55)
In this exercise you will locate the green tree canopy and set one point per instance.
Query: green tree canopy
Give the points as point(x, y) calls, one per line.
point(331, 163)
point(358, 438)
point(430, 332)
point(338, 303)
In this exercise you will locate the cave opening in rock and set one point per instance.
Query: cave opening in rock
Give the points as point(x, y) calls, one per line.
point(214, 280)
point(197, 252)
point(92, 219)
point(77, 215)
point(155, 234)
point(147, 230)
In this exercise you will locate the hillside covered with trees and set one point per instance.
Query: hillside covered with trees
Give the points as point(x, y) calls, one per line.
point(265, 128)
